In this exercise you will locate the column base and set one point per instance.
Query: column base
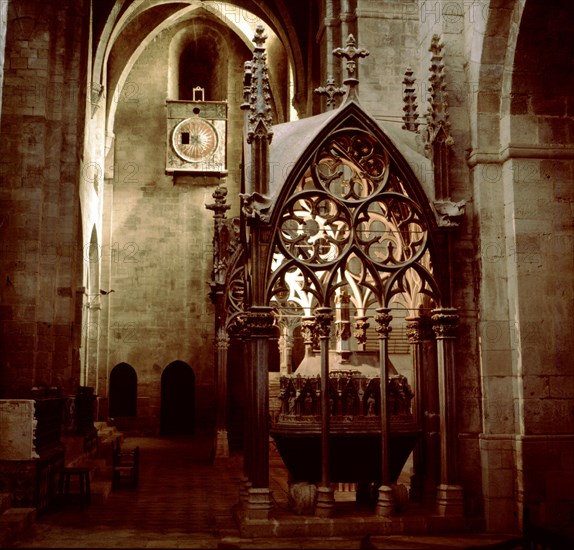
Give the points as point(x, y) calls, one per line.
point(386, 502)
point(221, 445)
point(258, 505)
point(449, 501)
point(325, 502)
point(244, 487)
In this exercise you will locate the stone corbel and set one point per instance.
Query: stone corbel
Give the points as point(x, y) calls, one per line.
point(96, 93)
point(449, 213)
point(255, 206)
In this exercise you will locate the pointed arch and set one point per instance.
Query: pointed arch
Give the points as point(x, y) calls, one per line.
point(351, 213)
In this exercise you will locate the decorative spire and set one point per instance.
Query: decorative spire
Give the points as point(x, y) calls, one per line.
point(257, 104)
point(437, 113)
point(437, 135)
point(351, 53)
point(331, 91)
point(410, 100)
point(259, 118)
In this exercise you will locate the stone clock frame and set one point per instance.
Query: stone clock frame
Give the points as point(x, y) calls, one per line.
point(196, 137)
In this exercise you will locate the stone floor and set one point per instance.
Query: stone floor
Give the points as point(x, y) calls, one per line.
point(184, 500)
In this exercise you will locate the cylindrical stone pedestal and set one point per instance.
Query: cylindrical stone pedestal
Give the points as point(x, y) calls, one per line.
point(325, 502)
point(386, 502)
point(449, 501)
point(258, 503)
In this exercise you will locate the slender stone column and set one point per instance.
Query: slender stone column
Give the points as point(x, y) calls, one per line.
point(385, 502)
point(343, 325)
point(221, 443)
point(449, 493)
point(422, 480)
point(239, 328)
point(325, 494)
point(260, 325)
point(286, 347)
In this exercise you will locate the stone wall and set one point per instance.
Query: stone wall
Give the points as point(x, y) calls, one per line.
point(42, 128)
point(160, 239)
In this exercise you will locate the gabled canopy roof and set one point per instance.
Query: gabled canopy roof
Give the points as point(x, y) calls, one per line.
point(291, 141)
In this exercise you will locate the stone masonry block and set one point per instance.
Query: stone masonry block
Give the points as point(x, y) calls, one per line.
point(500, 514)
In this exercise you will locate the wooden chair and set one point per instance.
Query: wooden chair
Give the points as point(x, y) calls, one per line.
point(125, 467)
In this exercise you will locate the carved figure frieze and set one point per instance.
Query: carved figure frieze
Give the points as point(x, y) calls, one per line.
point(352, 396)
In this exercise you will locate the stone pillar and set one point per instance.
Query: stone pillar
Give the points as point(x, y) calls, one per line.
point(260, 326)
point(343, 325)
point(426, 457)
point(239, 328)
point(449, 499)
point(325, 494)
point(93, 332)
point(286, 348)
point(221, 443)
point(385, 502)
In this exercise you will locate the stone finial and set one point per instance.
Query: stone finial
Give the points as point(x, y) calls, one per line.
point(259, 94)
point(351, 53)
point(438, 140)
point(219, 207)
point(437, 113)
point(331, 91)
point(410, 102)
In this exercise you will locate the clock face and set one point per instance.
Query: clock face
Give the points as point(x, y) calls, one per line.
point(194, 139)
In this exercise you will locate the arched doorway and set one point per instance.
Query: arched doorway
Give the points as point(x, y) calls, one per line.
point(123, 391)
point(177, 416)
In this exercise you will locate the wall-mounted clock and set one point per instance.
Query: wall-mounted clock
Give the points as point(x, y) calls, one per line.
point(196, 136)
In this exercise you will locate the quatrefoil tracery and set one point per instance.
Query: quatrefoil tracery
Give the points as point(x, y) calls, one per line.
point(318, 230)
point(348, 222)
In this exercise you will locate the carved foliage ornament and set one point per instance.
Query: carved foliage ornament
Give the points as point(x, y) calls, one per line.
point(445, 322)
point(383, 319)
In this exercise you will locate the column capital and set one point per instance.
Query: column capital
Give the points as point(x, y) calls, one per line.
point(222, 339)
point(323, 321)
point(260, 320)
point(418, 329)
point(237, 326)
point(361, 326)
point(308, 329)
point(445, 321)
point(383, 319)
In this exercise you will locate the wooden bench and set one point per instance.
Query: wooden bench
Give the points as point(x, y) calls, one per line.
point(125, 467)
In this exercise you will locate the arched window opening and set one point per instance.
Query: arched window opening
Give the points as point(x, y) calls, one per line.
point(201, 65)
